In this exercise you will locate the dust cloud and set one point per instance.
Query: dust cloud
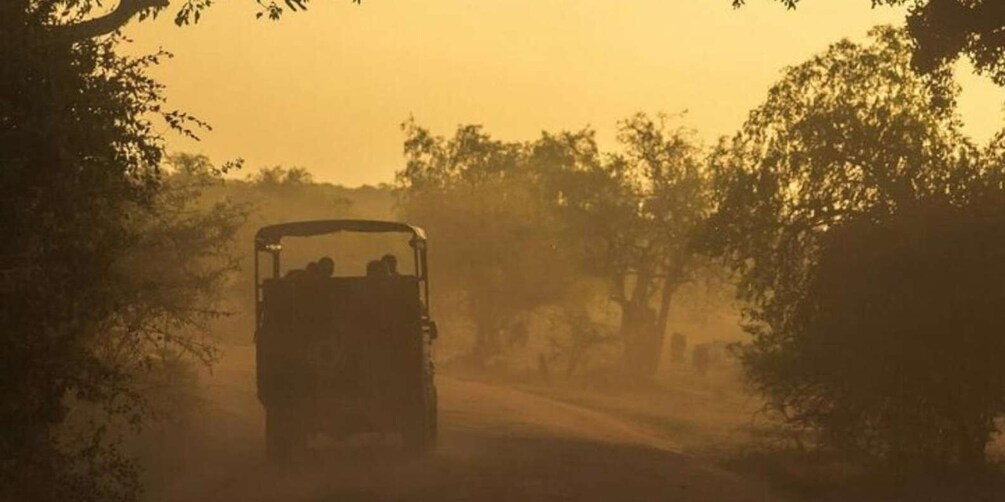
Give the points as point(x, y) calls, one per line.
point(549, 294)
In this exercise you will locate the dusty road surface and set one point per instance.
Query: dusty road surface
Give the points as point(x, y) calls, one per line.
point(495, 444)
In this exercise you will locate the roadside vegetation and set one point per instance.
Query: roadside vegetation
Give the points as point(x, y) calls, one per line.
point(852, 218)
point(833, 270)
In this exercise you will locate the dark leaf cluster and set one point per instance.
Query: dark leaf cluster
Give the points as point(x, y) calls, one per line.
point(945, 30)
point(865, 229)
point(85, 209)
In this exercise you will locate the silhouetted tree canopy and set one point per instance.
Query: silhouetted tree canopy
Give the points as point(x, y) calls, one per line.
point(853, 131)
point(861, 222)
point(632, 214)
point(944, 30)
point(900, 336)
point(74, 20)
point(103, 261)
point(496, 241)
point(518, 223)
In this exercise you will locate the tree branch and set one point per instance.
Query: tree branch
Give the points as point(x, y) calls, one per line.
point(109, 23)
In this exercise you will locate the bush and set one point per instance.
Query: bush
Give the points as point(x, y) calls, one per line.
point(895, 349)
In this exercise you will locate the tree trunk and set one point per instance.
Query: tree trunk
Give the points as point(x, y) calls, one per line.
point(660, 330)
point(630, 335)
point(638, 330)
point(642, 329)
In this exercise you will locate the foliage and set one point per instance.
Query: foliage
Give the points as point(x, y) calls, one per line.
point(633, 215)
point(277, 176)
point(519, 223)
point(168, 305)
point(944, 30)
point(82, 206)
point(899, 348)
point(494, 239)
point(860, 222)
point(73, 20)
point(277, 195)
point(851, 132)
point(191, 10)
point(583, 337)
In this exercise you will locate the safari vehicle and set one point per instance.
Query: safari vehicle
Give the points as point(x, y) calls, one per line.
point(343, 355)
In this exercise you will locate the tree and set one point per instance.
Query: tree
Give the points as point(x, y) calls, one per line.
point(495, 240)
point(277, 176)
point(520, 222)
point(843, 204)
point(852, 131)
point(82, 197)
point(633, 216)
point(944, 30)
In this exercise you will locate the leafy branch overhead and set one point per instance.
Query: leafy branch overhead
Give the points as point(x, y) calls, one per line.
point(80, 27)
point(271, 9)
point(944, 30)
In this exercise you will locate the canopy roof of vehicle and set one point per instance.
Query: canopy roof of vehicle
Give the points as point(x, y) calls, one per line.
point(273, 234)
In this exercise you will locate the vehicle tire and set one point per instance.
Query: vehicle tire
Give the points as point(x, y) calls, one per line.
point(419, 430)
point(433, 411)
point(285, 437)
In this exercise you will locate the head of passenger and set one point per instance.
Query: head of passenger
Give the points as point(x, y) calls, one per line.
point(376, 268)
point(312, 269)
point(326, 266)
point(391, 262)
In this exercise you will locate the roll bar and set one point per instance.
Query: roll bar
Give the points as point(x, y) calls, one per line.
point(268, 239)
point(273, 234)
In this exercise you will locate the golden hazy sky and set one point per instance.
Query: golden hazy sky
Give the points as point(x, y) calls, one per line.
point(328, 88)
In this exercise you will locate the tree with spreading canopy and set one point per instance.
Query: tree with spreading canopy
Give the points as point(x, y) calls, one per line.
point(633, 215)
point(865, 229)
point(944, 30)
point(518, 223)
point(495, 240)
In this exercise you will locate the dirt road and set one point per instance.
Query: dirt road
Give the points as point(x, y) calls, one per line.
point(495, 444)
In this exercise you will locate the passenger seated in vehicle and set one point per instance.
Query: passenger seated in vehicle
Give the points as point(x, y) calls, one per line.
point(312, 269)
point(391, 262)
point(377, 268)
point(326, 266)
